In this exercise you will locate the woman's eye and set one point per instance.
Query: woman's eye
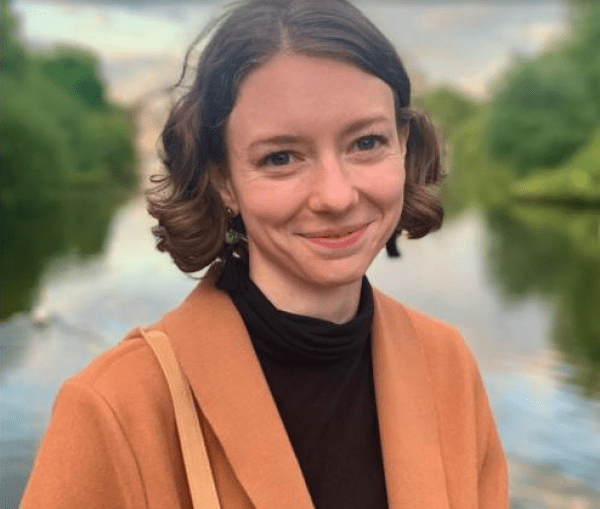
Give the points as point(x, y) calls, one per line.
point(277, 159)
point(369, 142)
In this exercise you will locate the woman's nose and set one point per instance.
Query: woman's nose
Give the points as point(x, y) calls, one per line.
point(332, 188)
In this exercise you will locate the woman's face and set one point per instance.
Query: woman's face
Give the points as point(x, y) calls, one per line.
point(316, 170)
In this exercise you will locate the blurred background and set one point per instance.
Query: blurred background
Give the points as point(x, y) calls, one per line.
point(514, 89)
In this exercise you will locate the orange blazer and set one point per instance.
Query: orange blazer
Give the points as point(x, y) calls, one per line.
point(112, 443)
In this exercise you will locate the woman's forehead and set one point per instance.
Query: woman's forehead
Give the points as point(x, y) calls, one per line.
point(294, 91)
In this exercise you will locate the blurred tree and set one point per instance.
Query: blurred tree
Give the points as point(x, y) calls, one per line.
point(12, 54)
point(584, 47)
point(541, 113)
point(77, 72)
point(576, 182)
point(448, 106)
point(111, 132)
point(548, 107)
point(35, 150)
point(56, 127)
point(457, 120)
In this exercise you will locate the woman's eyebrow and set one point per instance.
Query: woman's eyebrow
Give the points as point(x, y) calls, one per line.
point(365, 122)
point(283, 139)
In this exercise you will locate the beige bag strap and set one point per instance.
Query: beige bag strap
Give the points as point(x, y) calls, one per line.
point(195, 456)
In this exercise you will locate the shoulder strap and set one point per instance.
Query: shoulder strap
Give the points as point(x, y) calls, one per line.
point(195, 456)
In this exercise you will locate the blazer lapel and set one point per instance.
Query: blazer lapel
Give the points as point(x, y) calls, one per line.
point(410, 442)
point(215, 352)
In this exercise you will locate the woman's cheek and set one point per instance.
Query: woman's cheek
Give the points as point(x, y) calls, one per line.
point(275, 199)
point(387, 184)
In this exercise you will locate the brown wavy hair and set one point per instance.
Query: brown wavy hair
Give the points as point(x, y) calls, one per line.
point(192, 219)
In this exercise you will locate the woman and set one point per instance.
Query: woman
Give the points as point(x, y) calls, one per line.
point(292, 161)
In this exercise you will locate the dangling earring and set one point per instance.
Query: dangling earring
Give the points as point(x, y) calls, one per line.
point(235, 230)
point(234, 257)
point(232, 233)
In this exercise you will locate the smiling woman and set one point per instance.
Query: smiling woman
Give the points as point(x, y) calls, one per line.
point(292, 161)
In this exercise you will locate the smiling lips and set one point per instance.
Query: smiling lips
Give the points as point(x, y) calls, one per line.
point(337, 240)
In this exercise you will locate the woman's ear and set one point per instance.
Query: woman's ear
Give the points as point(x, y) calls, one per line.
point(228, 196)
point(224, 187)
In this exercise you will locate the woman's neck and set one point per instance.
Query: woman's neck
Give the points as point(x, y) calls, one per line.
point(337, 305)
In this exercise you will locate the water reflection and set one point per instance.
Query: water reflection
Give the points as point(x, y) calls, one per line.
point(41, 227)
point(37, 232)
point(555, 253)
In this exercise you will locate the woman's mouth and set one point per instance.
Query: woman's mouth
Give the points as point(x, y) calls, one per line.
point(337, 239)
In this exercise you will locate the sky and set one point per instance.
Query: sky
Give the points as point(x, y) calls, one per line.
point(142, 44)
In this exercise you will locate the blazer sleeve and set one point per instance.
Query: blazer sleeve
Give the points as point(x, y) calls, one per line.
point(493, 475)
point(85, 459)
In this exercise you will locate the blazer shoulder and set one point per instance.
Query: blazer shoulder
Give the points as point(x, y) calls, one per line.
point(112, 439)
point(441, 343)
point(127, 377)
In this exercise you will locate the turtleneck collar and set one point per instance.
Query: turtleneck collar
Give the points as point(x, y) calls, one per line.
point(294, 339)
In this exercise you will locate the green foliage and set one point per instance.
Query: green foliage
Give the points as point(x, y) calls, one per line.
point(56, 128)
point(584, 47)
point(541, 114)
point(474, 178)
point(457, 119)
point(537, 138)
point(547, 108)
point(12, 54)
point(578, 181)
point(449, 107)
point(112, 132)
point(76, 71)
point(34, 145)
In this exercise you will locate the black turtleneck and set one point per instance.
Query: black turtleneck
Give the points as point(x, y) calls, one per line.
point(321, 377)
